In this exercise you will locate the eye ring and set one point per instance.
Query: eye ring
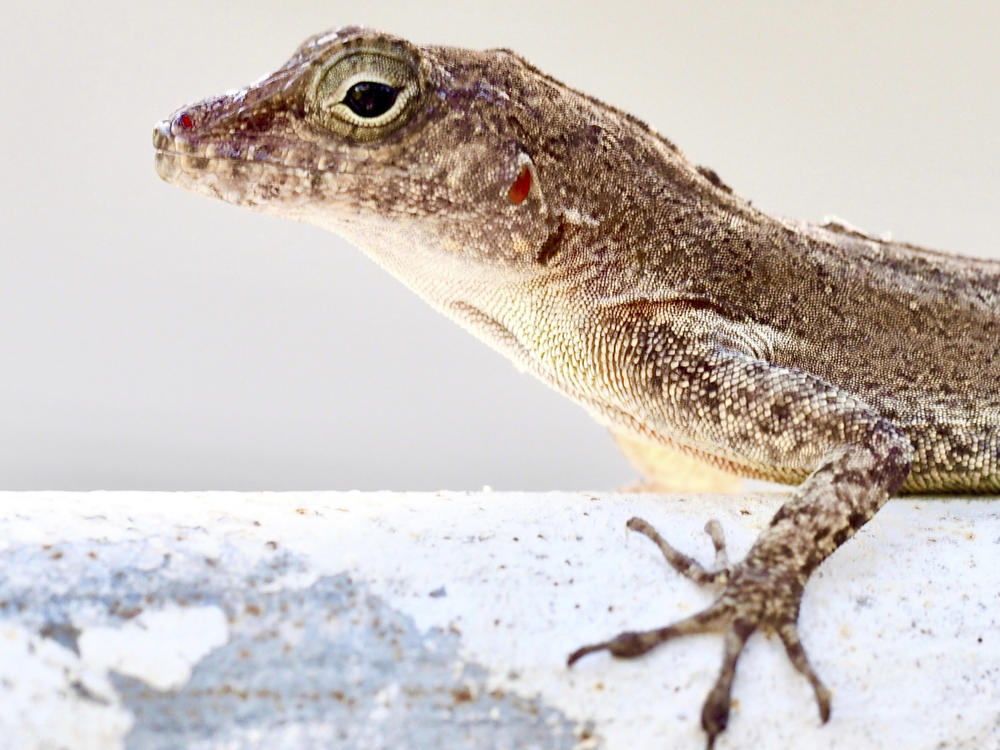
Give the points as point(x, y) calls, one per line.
point(364, 94)
point(336, 103)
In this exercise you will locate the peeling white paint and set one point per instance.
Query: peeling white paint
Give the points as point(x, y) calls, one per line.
point(41, 708)
point(159, 648)
point(901, 623)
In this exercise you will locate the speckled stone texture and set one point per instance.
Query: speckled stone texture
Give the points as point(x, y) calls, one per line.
point(381, 620)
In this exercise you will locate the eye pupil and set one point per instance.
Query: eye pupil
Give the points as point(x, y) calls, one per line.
point(370, 99)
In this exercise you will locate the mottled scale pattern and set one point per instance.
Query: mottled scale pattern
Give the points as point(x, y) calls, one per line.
point(639, 285)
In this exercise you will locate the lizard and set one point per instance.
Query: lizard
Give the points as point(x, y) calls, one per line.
point(591, 252)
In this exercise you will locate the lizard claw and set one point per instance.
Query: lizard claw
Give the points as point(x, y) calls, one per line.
point(753, 598)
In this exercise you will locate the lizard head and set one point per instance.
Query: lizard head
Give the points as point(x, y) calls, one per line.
point(404, 150)
point(489, 188)
point(425, 156)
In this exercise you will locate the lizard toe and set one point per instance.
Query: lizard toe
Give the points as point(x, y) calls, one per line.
point(688, 566)
point(788, 633)
point(632, 643)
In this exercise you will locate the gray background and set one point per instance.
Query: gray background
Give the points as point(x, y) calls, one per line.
point(154, 339)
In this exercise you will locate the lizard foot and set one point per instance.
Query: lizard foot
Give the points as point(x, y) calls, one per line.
point(754, 598)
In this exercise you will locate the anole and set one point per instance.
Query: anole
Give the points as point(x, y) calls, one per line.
point(587, 249)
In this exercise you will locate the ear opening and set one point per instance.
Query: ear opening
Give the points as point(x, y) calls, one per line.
point(526, 183)
point(521, 187)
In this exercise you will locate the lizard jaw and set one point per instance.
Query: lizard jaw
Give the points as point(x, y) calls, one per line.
point(261, 177)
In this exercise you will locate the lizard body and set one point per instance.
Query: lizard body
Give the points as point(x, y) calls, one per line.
point(587, 249)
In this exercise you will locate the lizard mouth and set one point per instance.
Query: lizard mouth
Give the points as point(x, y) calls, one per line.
point(174, 152)
point(180, 153)
point(176, 155)
point(247, 175)
point(266, 174)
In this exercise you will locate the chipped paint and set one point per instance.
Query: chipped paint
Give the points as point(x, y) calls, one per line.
point(159, 648)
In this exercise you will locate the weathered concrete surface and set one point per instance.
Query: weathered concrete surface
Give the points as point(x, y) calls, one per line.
point(348, 620)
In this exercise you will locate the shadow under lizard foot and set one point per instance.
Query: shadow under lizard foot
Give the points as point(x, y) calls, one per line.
point(753, 598)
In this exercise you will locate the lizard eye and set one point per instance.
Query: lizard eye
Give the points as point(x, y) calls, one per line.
point(370, 99)
point(363, 95)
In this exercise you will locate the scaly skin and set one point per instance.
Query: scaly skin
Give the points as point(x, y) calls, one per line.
point(586, 248)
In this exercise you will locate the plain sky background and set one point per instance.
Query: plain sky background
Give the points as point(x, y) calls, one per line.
point(154, 339)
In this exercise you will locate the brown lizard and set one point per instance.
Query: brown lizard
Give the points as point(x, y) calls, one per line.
point(586, 248)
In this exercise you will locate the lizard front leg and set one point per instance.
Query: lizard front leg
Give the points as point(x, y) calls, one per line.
point(768, 414)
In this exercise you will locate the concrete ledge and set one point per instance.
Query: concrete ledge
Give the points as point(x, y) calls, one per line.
point(349, 620)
